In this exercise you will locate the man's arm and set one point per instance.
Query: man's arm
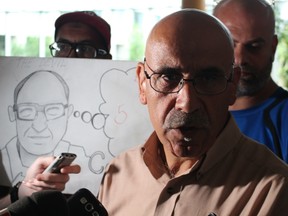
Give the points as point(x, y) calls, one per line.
point(35, 180)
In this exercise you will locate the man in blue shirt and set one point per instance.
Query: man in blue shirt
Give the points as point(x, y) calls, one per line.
point(261, 108)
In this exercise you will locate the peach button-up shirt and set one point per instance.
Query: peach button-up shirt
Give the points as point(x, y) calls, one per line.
point(236, 177)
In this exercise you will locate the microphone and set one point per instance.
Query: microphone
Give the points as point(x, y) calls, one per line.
point(84, 203)
point(44, 203)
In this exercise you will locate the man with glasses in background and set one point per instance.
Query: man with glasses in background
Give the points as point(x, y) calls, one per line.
point(196, 162)
point(81, 34)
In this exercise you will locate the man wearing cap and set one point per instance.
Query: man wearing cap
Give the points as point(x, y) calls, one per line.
point(81, 34)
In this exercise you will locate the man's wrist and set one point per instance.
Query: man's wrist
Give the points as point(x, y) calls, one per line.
point(14, 192)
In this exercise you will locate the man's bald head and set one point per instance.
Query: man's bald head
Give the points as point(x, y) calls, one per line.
point(188, 65)
point(189, 32)
point(260, 8)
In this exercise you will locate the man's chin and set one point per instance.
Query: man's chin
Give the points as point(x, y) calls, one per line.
point(247, 89)
point(188, 150)
point(39, 148)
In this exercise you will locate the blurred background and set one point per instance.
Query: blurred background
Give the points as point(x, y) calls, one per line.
point(27, 26)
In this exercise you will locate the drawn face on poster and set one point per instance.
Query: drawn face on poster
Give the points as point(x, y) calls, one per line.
point(41, 110)
point(95, 114)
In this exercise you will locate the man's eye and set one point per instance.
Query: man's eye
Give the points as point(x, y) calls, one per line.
point(82, 48)
point(208, 78)
point(211, 77)
point(171, 77)
point(53, 110)
point(85, 48)
point(26, 112)
point(63, 47)
point(254, 46)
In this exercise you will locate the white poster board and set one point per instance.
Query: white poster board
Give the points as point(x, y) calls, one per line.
point(101, 117)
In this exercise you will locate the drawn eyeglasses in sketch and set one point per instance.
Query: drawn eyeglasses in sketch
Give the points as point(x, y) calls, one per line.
point(28, 111)
point(41, 111)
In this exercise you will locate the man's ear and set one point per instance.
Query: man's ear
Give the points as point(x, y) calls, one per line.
point(70, 110)
point(11, 114)
point(141, 82)
point(274, 46)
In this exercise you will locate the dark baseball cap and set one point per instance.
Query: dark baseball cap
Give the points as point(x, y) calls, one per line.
point(89, 18)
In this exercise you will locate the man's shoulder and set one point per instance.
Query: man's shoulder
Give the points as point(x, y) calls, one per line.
point(131, 152)
point(129, 157)
point(278, 104)
point(281, 92)
point(262, 158)
point(281, 95)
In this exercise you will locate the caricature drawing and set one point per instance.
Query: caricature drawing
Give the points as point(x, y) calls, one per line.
point(90, 108)
point(41, 111)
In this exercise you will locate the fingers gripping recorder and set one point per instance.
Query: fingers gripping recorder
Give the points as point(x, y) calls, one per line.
point(62, 160)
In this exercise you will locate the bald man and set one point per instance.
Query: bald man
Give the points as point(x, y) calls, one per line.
point(261, 107)
point(41, 114)
point(196, 162)
point(41, 111)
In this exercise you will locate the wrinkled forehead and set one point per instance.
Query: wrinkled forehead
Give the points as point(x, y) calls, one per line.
point(190, 37)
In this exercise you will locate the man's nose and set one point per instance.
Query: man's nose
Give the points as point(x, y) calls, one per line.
point(73, 54)
point(240, 55)
point(40, 122)
point(187, 98)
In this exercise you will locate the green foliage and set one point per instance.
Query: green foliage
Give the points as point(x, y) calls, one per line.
point(283, 53)
point(48, 40)
point(29, 47)
point(282, 49)
point(2, 45)
point(137, 44)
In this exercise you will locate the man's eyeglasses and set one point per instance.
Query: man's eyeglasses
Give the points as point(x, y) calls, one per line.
point(63, 49)
point(206, 84)
point(28, 111)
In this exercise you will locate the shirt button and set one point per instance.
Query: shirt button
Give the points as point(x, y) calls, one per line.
point(170, 190)
point(199, 175)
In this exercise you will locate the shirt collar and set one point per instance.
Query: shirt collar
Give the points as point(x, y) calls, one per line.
point(225, 142)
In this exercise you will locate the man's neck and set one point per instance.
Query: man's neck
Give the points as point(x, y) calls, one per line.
point(177, 166)
point(26, 157)
point(246, 102)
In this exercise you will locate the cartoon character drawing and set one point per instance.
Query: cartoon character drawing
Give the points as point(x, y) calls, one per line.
point(94, 114)
point(41, 111)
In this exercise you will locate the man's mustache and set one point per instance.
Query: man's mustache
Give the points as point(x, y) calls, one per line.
point(178, 119)
point(245, 68)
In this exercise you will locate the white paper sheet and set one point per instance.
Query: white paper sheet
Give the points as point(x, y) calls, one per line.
point(106, 116)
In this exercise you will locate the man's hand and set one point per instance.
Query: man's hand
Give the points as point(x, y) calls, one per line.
point(35, 180)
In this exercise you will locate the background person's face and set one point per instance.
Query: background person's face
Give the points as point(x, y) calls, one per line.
point(81, 33)
point(40, 136)
point(254, 46)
